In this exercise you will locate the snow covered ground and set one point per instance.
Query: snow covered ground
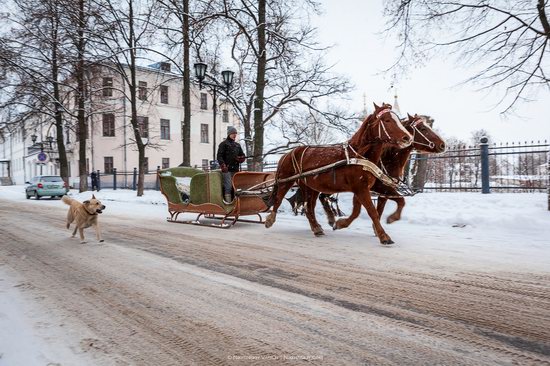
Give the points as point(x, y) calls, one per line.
point(467, 230)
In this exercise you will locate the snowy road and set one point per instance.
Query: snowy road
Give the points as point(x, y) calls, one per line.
point(165, 294)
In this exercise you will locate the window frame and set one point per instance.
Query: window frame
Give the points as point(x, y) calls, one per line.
point(110, 121)
point(205, 133)
point(204, 101)
point(163, 90)
point(106, 168)
point(164, 129)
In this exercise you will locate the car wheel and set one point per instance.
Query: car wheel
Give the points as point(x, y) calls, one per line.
point(36, 196)
point(28, 196)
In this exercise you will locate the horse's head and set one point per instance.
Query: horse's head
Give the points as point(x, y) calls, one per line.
point(424, 137)
point(385, 127)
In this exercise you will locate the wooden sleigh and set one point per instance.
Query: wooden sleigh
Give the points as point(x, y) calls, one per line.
point(252, 189)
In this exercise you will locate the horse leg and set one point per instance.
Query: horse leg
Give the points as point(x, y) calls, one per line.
point(328, 210)
point(345, 222)
point(381, 203)
point(311, 199)
point(365, 199)
point(277, 199)
point(397, 214)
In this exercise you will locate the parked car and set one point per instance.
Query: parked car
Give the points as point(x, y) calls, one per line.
point(46, 185)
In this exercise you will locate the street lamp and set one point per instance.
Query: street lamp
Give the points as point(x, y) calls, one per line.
point(227, 81)
point(50, 141)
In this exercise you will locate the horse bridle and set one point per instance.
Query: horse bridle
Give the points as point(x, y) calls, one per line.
point(382, 127)
point(414, 126)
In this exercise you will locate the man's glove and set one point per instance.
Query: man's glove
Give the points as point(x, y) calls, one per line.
point(241, 159)
point(224, 168)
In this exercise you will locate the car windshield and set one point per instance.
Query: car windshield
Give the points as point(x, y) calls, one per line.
point(51, 179)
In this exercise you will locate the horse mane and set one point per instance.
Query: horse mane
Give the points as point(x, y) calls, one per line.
point(359, 136)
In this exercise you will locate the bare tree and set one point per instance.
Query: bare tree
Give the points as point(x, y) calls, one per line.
point(281, 72)
point(36, 61)
point(122, 39)
point(175, 21)
point(505, 42)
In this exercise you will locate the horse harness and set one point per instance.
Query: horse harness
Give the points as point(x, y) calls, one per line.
point(358, 160)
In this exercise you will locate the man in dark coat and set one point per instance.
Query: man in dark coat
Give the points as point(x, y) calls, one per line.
point(230, 156)
point(95, 181)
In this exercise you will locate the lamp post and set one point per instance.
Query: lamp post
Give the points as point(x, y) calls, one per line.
point(214, 85)
point(50, 141)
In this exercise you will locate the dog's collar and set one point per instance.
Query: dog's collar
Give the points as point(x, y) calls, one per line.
point(91, 214)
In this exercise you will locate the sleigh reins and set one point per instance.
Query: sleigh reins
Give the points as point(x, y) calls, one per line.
point(357, 160)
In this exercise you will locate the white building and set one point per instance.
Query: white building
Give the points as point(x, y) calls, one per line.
point(110, 142)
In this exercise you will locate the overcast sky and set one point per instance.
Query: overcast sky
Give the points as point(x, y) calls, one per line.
point(361, 53)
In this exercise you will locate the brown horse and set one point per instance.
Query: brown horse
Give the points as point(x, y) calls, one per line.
point(393, 161)
point(379, 130)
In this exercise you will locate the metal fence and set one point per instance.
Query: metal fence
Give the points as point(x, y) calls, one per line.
point(503, 167)
point(126, 180)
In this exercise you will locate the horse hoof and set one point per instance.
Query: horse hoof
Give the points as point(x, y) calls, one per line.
point(391, 219)
point(319, 233)
point(387, 242)
point(269, 222)
point(338, 225)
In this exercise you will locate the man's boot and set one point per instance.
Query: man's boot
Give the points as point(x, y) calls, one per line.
point(227, 198)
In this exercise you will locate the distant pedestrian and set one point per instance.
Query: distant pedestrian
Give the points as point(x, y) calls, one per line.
point(95, 181)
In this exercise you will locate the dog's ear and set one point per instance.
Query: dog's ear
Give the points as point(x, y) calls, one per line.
point(86, 202)
point(93, 196)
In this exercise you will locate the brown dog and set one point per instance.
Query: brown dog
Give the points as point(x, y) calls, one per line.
point(84, 215)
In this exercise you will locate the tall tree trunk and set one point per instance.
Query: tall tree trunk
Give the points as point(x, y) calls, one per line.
point(82, 125)
point(186, 128)
point(63, 163)
point(260, 86)
point(133, 102)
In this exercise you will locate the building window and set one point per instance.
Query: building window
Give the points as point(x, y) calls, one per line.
point(107, 87)
point(109, 125)
point(165, 66)
point(143, 126)
point(204, 133)
point(146, 165)
point(165, 163)
point(205, 164)
point(142, 90)
point(164, 94)
point(165, 129)
point(108, 164)
point(204, 101)
point(225, 116)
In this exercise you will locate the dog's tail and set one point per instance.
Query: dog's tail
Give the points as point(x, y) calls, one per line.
point(66, 199)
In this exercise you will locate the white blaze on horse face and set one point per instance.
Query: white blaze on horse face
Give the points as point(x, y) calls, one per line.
point(401, 143)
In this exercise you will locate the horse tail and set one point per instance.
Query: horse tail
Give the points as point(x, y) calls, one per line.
point(271, 200)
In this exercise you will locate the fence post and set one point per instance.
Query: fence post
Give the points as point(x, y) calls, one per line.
point(114, 179)
point(98, 181)
point(157, 181)
point(484, 150)
point(548, 176)
point(134, 179)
